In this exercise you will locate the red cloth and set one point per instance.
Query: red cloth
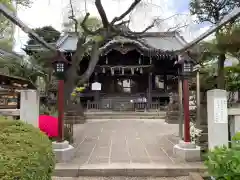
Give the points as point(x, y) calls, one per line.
point(48, 125)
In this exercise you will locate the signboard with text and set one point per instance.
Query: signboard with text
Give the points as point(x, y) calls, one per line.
point(220, 110)
point(96, 86)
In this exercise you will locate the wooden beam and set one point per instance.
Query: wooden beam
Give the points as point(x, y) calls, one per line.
point(233, 15)
point(12, 17)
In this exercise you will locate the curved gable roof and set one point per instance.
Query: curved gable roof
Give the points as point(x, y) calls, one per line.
point(164, 41)
point(161, 41)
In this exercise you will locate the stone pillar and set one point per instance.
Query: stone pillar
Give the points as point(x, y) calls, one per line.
point(234, 120)
point(29, 106)
point(217, 118)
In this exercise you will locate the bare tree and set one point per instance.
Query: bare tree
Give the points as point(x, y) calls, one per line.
point(108, 30)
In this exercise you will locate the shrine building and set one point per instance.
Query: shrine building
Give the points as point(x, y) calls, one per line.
point(129, 71)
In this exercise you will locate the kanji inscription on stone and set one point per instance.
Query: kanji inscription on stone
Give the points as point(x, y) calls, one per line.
point(220, 110)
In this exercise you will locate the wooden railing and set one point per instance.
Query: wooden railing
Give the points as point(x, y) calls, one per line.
point(132, 106)
point(155, 106)
point(93, 106)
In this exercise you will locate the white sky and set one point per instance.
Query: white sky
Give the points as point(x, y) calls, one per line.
point(54, 12)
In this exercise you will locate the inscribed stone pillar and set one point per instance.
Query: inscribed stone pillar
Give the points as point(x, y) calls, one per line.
point(217, 118)
point(29, 107)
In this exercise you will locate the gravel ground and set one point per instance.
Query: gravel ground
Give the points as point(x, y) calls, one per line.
point(121, 178)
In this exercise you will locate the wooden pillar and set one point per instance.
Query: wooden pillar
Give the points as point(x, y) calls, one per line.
point(165, 82)
point(180, 99)
point(198, 100)
point(187, 136)
point(149, 89)
point(97, 93)
point(153, 82)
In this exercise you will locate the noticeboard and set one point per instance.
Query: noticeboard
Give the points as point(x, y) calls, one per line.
point(8, 100)
point(96, 86)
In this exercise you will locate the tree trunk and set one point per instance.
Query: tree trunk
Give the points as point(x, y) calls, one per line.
point(221, 76)
point(72, 77)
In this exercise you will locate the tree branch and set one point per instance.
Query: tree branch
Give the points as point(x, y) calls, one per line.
point(133, 35)
point(8, 14)
point(73, 17)
point(92, 64)
point(122, 23)
point(102, 13)
point(177, 27)
point(85, 28)
point(129, 10)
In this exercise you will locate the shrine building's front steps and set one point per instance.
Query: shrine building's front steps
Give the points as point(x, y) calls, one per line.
point(124, 115)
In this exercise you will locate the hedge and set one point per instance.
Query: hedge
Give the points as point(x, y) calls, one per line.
point(25, 152)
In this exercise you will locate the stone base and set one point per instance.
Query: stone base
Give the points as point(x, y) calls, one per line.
point(187, 151)
point(63, 151)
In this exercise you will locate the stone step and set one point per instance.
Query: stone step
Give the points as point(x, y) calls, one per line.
point(130, 170)
point(125, 115)
point(149, 113)
point(120, 178)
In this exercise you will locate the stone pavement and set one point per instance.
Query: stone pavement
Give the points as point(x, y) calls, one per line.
point(125, 147)
point(122, 178)
point(125, 141)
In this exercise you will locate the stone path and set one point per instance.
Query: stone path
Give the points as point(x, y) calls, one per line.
point(122, 178)
point(126, 148)
point(125, 141)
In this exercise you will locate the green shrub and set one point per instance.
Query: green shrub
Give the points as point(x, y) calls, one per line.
point(224, 163)
point(25, 152)
point(236, 141)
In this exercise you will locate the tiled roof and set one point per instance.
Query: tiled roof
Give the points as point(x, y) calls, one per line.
point(161, 41)
point(164, 41)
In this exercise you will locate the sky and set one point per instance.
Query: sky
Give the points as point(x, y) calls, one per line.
point(55, 12)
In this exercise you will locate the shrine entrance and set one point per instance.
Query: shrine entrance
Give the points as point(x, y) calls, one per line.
point(133, 77)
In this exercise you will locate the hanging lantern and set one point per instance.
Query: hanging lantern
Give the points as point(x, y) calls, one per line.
point(112, 70)
point(122, 71)
point(186, 66)
point(132, 71)
point(106, 60)
point(60, 65)
point(103, 70)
